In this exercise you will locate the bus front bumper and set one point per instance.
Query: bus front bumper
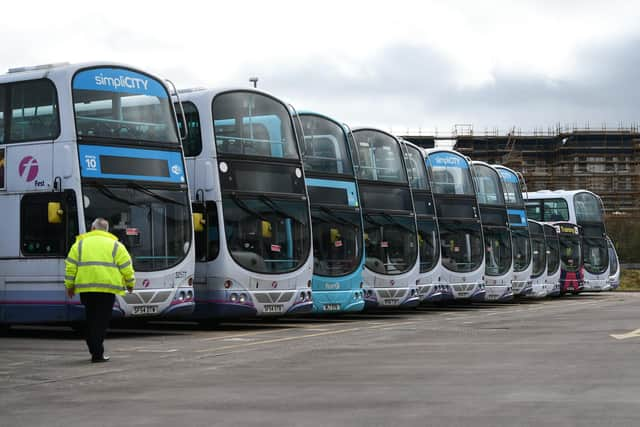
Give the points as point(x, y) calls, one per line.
point(389, 298)
point(469, 291)
point(434, 293)
point(498, 293)
point(339, 301)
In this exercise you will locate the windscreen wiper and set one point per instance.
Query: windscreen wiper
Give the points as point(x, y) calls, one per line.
point(110, 194)
point(242, 205)
point(393, 221)
point(153, 194)
point(339, 220)
point(274, 207)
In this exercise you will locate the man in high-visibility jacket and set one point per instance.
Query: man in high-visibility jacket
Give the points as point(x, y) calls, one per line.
point(98, 267)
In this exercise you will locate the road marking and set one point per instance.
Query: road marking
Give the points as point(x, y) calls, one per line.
point(148, 349)
point(632, 334)
point(275, 340)
point(278, 328)
point(248, 334)
point(390, 325)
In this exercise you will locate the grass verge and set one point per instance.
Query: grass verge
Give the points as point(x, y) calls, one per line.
point(629, 280)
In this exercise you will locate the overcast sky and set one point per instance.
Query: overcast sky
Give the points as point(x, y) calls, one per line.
point(396, 64)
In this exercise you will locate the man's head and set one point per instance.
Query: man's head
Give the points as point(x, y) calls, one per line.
point(100, 224)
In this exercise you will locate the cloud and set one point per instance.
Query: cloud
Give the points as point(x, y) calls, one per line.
point(411, 86)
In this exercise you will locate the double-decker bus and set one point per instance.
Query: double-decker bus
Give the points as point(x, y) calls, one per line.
point(461, 239)
point(553, 260)
point(614, 266)
point(79, 142)
point(571, 262)
point(338, 246)
point(585, 209)
point(251, 210)
point(430, 289)
point(520, 239)
point(390, 235)
point(539, 286)
point(495, 228)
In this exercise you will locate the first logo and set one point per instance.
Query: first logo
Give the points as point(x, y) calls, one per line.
point(28, 168)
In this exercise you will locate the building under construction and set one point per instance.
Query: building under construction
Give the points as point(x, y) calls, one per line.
point(605, 161)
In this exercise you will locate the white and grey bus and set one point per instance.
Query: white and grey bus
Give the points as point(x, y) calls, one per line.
point(430, 288)
point(614, 265)
point(497, 235)
point(539, 287)
point(553, 260)
point(520, 238)
point(79, 142)
point(390, 234)
point(585, 209)
point(251, 211)
point(461, 240)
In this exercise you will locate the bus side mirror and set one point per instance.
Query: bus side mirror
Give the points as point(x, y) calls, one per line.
point(54, 212)
point(198, 222)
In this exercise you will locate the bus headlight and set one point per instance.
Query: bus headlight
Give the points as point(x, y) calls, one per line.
point(233, 298)
point(242, 298)
point(181, 296)
point(302, 296)
point(309, 295)
point(189, 295)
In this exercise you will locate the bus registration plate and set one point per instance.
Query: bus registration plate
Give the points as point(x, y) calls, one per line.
point(273, 308)
point(390, 301)
point(331, 307)
point(140, 310)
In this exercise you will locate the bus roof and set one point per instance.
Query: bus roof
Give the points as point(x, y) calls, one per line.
point(551, 194)
point(66, 69)
point(207, 93)
point(344, 126)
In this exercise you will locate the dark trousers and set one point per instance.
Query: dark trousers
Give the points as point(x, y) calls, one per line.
point(98, 306)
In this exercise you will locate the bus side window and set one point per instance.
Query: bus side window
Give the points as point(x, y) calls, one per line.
point(39, 236)
point(34, 111)
point(192, 146)
point(208, 238)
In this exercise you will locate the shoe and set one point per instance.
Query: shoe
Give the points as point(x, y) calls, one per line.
point(99, 359)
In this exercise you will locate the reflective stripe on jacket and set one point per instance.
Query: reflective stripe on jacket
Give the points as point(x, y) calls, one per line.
point(97, 262)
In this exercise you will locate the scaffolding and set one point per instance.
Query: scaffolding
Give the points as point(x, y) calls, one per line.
point(603, 160)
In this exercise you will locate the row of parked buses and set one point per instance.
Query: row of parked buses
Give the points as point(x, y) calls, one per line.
point(234, 204)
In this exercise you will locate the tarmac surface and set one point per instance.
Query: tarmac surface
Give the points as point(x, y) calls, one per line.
point(562, 362)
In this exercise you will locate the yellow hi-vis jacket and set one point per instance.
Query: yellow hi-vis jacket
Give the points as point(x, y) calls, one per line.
point(97, 262)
